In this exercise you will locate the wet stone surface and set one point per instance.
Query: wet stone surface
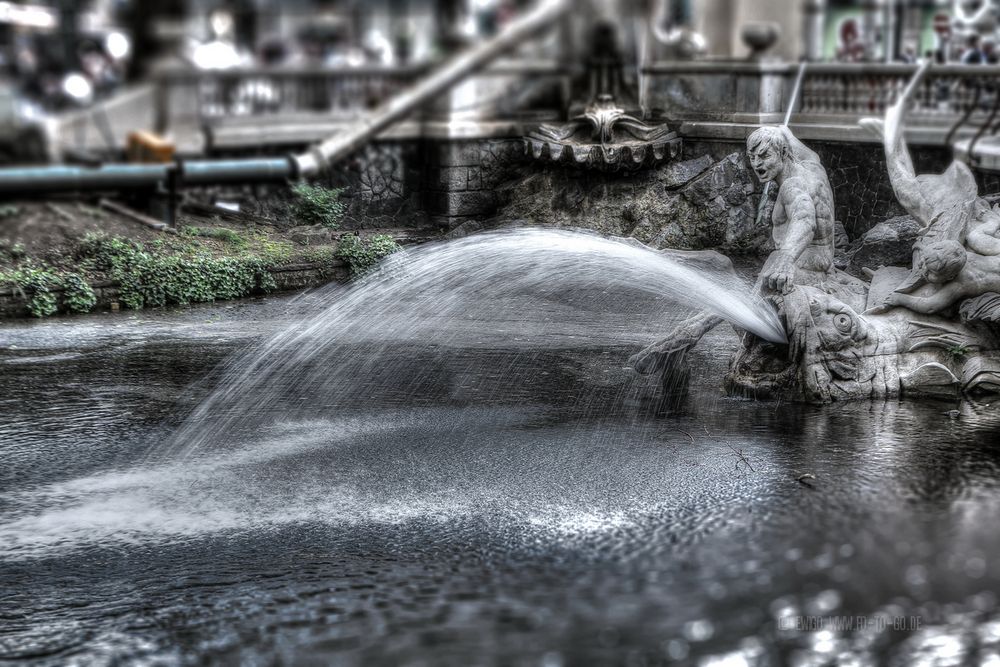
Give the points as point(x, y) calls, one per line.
point(535, 506)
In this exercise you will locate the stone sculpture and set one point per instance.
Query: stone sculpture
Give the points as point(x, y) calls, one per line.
point(605, 135)
point(933, 329)
point(957, 256)
point(837, 353)
point(803, 234)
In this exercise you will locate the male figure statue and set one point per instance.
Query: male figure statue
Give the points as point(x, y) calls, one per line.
point(803, 234)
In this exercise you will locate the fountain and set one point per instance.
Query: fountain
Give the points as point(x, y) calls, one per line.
point(450, 461)
point(929, 331)
point(428, 296)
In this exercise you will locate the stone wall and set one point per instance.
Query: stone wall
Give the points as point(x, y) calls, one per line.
point(382, 183)
point(476, 183)
point(694, 204)
point(410, 183)
point(462, 177)
point(382, 186)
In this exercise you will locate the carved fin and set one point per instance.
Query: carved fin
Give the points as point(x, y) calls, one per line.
point(928, 334)
point(931, 374)
point(983, 308)
point(981, 375)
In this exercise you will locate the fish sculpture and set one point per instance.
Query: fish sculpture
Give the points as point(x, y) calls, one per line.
point(840, 354)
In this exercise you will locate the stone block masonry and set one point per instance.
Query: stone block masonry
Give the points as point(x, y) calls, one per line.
point(462, 177)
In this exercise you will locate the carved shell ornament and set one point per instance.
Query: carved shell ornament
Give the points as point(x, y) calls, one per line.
point(604, 137)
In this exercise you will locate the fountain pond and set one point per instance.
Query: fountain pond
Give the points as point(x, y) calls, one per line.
point(452, 463)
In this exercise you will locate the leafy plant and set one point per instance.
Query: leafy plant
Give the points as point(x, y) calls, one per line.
point(78, 295)
point(148, 280)
point(362, 255)
point(38, 285)
point(35, 285)
point(958, 351)
point(318, 205)
point(323, 254)
point(220, 233)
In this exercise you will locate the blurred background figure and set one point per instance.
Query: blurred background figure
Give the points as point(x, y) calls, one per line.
point(973, 55)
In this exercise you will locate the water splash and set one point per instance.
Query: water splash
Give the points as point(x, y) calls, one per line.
point(472, 289)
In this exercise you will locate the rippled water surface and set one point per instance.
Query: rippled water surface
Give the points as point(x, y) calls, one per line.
point(534, 505)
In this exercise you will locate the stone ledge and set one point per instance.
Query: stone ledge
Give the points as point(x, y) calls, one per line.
point(928, 135)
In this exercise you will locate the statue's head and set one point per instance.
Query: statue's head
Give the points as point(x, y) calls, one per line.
point(768, 149)
point(941, 262)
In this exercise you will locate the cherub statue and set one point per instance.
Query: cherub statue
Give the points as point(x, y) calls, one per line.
point(956, 273)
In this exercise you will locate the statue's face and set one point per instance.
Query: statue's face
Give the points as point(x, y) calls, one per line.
point(766, 162)
point(936, 277)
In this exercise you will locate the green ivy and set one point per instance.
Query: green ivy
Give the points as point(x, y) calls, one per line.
point(150, 280)
point(221, 233)
point(318, 205)
point(38, 285)
point(362, 255)
point(78, 296)
point(320, 254)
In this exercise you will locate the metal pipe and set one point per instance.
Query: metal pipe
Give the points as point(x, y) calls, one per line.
point(22, 180)
point(451, 72)
point(214, 172)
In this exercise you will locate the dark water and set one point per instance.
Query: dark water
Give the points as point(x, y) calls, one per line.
point(550, 517)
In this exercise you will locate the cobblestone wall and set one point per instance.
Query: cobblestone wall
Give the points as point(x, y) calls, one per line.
point(382, 184)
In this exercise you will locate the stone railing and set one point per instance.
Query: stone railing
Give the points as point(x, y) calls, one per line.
point(951, 97)
point(946, 92)
point(716, 90)
point(189, 96)
point(186, 96)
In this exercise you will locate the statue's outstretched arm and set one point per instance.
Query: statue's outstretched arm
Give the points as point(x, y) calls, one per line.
point(672, 350)
point(934, 303)
point(779, 270)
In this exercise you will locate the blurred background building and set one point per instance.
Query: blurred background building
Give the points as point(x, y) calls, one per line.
point(81, 76)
